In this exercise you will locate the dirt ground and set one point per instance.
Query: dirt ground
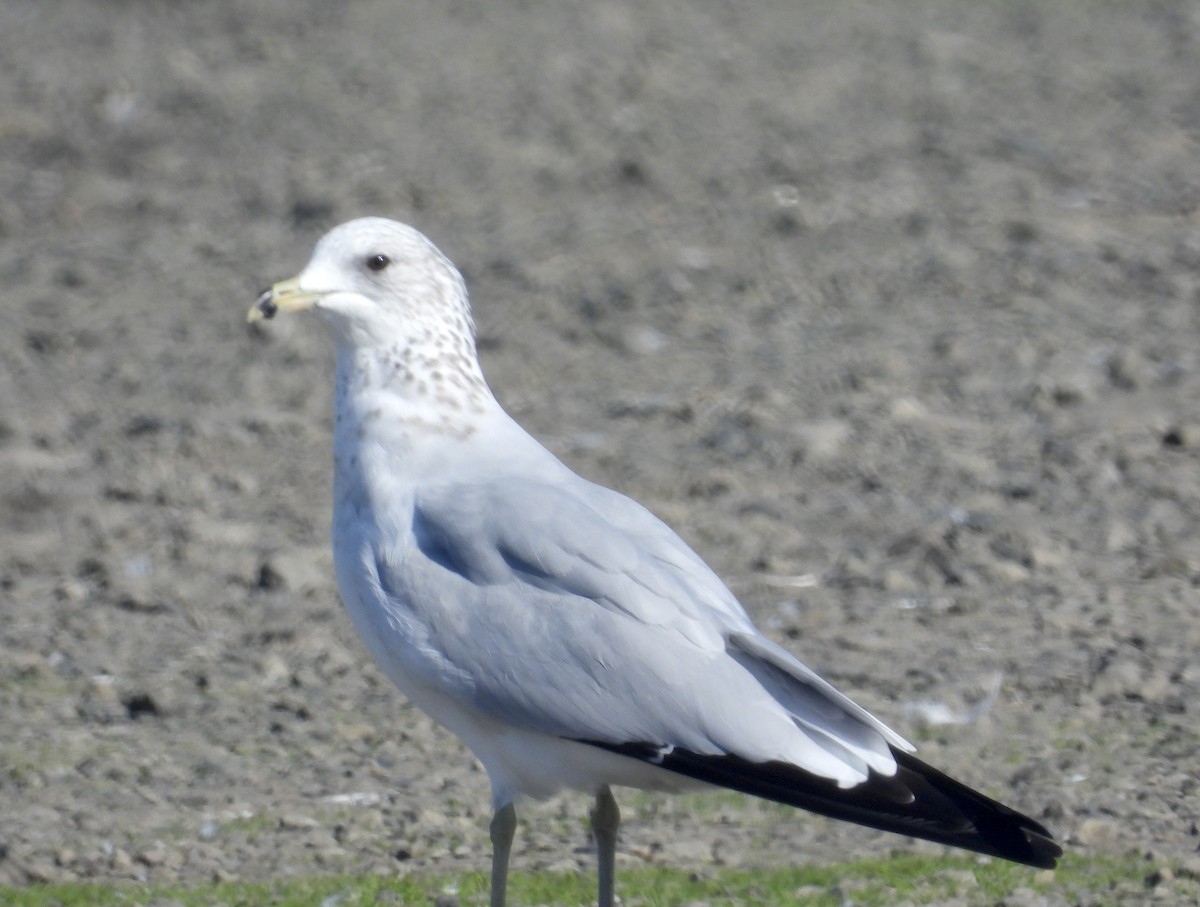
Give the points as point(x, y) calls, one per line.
point(890, 309)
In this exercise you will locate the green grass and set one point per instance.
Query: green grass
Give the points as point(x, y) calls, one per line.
point(870, 883)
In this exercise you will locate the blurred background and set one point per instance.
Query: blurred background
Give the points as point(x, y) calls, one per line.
point(891, 309)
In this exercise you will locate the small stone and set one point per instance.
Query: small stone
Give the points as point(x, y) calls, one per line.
point(120, 861)
point(1008, 572)
point(1023, 896)
point(100, 701)
point(684, 852)
point(645, 339)
point(1047, 555)
point(431, 818)
point(1120, 537)
point(140, 704)
point(1102, 835)
point(71, 590)
point(1158, 875)
point(962, 878)
point(355, 732)
point(1128, 369)
point(900, 583)
point(1186, 435)
point(331, 855)
point(274, 671)
point(823, 441)
point(297, 822)
point(908, 409)
point(1156, 688)
point(151, 856)
point(1120, 678)
point(295, 571)
point(103, 687)
point(40, 872)
point(29, 665)
point(1170, 564)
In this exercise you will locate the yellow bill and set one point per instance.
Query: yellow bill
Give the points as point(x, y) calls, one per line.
point(285, 296)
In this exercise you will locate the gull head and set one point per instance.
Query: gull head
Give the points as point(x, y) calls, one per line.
point(374, 282)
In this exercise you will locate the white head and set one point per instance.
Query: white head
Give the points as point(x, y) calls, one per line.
point(375, 282)
point(398, 310)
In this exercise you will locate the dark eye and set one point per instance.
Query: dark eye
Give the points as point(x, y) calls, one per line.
point(378, 262)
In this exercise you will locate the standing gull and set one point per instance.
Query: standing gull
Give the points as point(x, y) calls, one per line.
point(567, 635)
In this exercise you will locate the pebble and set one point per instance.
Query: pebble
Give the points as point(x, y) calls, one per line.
point(120, 861)
point(686, 852)
point(274, 671)
point(1120, 678)
point(1100, 835)
point(1023, 896)
point(72, 590)
point(1007, 572)
point(151, 856)
point(900, 582)
point(355, 731)
point(296, 570)
point(823, 441)
point(1185, 435)
point(330, 855)
point(432, 819)
point(297, 822)
point(159, 855)
point(963, 879)
point(40, 872)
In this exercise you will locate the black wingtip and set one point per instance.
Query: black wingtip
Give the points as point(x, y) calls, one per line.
point(1005, 832)
point(918, 801)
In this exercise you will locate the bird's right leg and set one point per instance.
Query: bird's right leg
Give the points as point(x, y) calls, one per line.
point(503, 827)
point(605, 819)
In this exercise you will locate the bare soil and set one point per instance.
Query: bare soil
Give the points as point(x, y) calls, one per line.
point(890, 309)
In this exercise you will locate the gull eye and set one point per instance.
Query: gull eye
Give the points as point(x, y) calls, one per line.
point(378, 262)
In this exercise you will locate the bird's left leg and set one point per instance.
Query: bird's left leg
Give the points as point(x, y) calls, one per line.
point(503, 827)
point(605, 818)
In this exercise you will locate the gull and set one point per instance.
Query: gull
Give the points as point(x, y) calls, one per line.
point(563, 632)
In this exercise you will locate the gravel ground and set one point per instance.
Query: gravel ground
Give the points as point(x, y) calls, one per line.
point(891, 309)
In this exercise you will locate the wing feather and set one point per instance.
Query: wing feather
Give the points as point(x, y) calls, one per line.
point(580, 615)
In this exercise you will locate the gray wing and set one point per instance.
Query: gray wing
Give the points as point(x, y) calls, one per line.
point(572, 611)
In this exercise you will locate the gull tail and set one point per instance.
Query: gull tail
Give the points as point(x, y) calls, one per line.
point(918, 800)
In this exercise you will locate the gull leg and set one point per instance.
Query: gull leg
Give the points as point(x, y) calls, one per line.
point(605, 818)
point(504, 825)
